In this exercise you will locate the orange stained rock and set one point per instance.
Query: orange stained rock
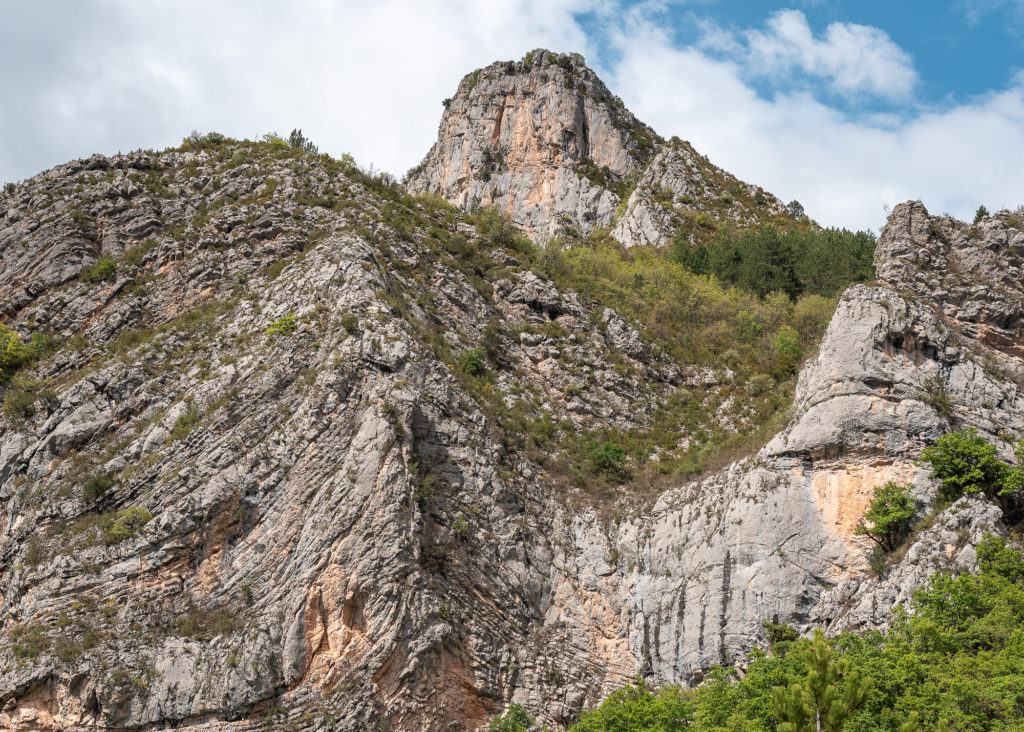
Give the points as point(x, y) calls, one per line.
point(842, 495)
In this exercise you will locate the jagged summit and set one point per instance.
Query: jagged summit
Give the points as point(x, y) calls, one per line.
point(545, 140)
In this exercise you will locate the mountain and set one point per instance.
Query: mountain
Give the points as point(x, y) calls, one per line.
point(546, 141)
point(285, 446)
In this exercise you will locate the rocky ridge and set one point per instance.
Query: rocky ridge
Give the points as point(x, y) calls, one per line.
point(546, 141)
point(314, 513)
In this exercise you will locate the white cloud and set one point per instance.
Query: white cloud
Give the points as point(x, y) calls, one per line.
point(853, 58)
point(367, 78)
point(844, 170)
point(359, 77)
point(973, 10)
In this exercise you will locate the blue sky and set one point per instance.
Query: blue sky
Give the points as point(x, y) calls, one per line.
point(959, 48)
point(848, 107)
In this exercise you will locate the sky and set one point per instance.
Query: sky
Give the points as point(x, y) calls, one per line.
point(847, 107)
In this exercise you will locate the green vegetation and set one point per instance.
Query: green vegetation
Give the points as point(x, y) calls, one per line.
point(692, 318)
point(28, 641)
point(96, 487)
point(204, 624)
point(284, 326)
point(124, 524)
point(793, 261)
point(966, 464)
point(953, 663)
point(981, 213)
point(514, 720)
point(20, 399)
point(887, 519)
point(210, 141)
point(607, 459)
point(15, 353)
point(102, 270)
point(472, 362)
point(184, 423)
point(298, 141)
point(935, 395)
point(350, 323)
point(829, 695)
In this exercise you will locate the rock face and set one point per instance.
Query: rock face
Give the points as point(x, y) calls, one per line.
point(252, 488)
point(547, 142)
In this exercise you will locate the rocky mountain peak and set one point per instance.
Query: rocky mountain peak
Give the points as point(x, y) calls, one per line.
point(285, 447)
point(545, 140)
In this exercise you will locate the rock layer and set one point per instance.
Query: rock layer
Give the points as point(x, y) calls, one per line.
point(545, 141)
point(312, 520)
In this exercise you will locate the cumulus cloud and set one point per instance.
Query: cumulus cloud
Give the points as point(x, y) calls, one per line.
point(844, 169)
point(852, 58)
point(358, 77)
point(368, 78)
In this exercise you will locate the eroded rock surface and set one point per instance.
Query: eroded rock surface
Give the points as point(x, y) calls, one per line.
point(301, 513)
point(545, 141)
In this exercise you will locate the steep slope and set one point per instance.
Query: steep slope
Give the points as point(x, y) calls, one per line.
point(301, 456)
point(547, 142)
point(258, 482)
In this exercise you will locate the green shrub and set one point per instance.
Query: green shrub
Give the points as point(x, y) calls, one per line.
point(20, 400)
point(981, 213)
point(196, 141)
point(13, 353)
point(135, 256)
point(284, 326)
point(205, 624)
point(515, 719)
point(96, 487)
point(965, 463)
point(275, 141)
point(638, 708)
point(887, 519)
point(472, 362)
point(125, 524)
point(607, 459)
point(878, 560)
point(350, 323)
point(28, 641)
point(495, 227)
point(936, 396)
point(184, 423)
point(105, 268)
point(787, 350)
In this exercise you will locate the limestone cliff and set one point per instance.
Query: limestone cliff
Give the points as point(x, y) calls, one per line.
point(548, 143)
point(257, 482)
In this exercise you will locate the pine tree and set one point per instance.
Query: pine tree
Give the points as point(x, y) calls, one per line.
point(829, 695)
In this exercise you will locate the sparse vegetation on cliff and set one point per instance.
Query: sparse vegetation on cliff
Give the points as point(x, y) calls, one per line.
point(950, 662)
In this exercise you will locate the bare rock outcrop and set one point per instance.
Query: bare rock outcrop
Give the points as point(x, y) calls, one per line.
point(258, 480)
point(525, 136)
point(545, 141)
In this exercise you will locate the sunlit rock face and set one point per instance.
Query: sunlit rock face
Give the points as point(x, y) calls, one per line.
point(545, 141)
point(248, 490)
